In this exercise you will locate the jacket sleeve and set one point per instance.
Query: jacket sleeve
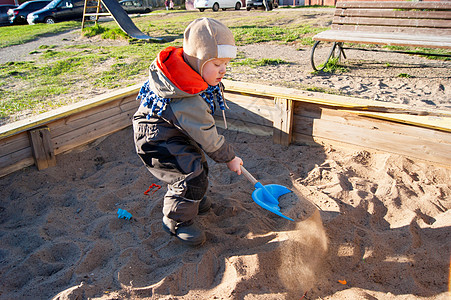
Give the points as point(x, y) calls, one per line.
point(193, 115)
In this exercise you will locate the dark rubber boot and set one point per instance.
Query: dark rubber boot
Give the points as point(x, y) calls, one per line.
point(204, 205)
point(187, 232)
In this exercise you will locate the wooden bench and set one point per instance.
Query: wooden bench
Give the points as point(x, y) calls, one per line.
point(397, 23)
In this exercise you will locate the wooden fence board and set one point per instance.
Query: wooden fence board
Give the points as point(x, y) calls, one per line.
point(18, 165)
point(375, 134)
point(244, 126)
point(65, 111)
point(14, 143)
point(416, 14)
point(413, 23)
point(104, 111)
point(395, 4)
point(255, 109)
point(252, 109)
point(89, 133)
point(16, 161)
point(283, 121)
point(352, 119)
point(42, 146)
point(15, 156)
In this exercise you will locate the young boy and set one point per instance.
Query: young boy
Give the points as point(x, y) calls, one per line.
point(174, 125)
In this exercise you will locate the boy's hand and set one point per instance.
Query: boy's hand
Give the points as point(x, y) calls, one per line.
point(235, 165)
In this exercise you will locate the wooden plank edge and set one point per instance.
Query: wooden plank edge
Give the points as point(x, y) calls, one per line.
point(336, 101)
point(283, 121)
point(241, 126)
point(393, 112)
point(302, 139)
point(42, 147)
point(101, 112)
point(386, 140)
point(47, 117)
point(431, 122)
point(27, 162)
point(252, 89)
point(92, 131)
point(16, 157)
point(89, 138)
point(14, 143)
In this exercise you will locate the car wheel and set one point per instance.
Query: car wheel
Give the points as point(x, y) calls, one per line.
point(238, 6)
point(215, 7)
point(248, 8)
point(201, 9)
point(49, 20)
point(147, 10)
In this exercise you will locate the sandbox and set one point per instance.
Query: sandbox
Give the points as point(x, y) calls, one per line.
point(371, 199)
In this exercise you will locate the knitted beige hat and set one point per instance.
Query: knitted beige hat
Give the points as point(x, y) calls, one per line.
point(206, 39)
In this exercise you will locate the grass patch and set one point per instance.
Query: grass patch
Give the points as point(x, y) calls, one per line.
point(105, 32)
point(332, 66)
point(15, 35)
point(404, 75)
point(250, 62)
point(251, 34)
point(47, 47)
point(113, 77)
point(315, 89)
point(27, 86)
point(36, 100)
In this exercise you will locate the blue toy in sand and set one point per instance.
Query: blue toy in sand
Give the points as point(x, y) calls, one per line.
point(123, 214)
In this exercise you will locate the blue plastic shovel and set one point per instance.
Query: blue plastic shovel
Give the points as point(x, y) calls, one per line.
point(267, 195)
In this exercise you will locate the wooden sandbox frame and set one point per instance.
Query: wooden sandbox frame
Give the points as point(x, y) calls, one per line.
point(289, 115)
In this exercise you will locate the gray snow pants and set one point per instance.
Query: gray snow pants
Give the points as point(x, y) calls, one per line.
point(181, 164)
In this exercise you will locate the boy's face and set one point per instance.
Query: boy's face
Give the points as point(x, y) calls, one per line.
point(214, 70)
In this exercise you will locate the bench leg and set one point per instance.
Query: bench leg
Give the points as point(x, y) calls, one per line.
point(339, 51)
point(321, 54)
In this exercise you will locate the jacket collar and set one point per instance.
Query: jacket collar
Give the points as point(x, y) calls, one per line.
point(170, 62)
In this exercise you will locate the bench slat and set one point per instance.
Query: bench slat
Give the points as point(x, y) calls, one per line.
point(435, 32)
point(396, 4)
point(384, 39)
point(422, 23)
point(389, 13)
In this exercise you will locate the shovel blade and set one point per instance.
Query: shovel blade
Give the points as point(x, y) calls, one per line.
point(267, 197)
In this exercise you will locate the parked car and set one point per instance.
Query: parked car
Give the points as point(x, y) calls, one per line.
point(135, 7)
point(215, 5)
point(4, 20)
point(260, 4)
point(57, 11)
point(19, 15)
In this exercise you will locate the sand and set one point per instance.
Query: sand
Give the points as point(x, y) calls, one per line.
point(368, 225)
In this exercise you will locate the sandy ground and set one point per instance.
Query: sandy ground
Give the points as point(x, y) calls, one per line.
point(368, 225)
point(371, 75)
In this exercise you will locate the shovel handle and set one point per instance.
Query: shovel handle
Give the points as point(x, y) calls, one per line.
point(248, 176)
